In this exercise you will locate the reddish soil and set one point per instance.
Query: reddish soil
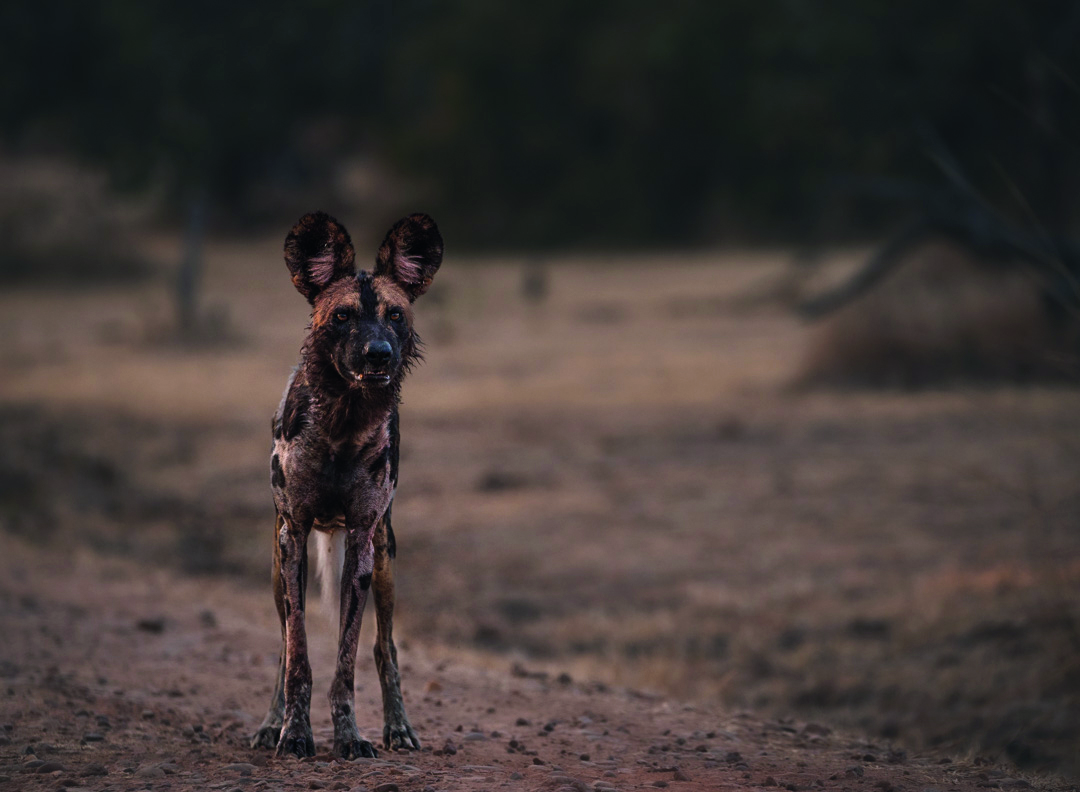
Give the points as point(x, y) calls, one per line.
point(121, 680)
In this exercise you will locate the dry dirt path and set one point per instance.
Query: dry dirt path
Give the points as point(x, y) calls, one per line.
point(113, 677)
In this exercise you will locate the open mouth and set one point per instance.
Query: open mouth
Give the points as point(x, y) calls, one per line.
point(373, 378)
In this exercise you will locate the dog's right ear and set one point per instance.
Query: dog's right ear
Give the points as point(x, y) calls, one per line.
point(318, 252)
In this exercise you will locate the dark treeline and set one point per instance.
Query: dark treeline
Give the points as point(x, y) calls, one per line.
point(562, 123)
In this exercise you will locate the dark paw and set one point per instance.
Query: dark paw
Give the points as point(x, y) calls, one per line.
point(296, 741)
point(399, 735)
point(267, 736)
point(354, 748)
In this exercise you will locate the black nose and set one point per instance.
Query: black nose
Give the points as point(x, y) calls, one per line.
point(377, 354)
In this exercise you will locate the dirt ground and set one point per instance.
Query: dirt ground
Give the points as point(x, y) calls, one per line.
point(121, 679)
point(606, 473)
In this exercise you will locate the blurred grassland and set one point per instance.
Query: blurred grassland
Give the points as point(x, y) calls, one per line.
point(608, 467)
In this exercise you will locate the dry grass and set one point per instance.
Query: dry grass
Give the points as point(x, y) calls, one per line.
point(944, 318)
point(616, 480)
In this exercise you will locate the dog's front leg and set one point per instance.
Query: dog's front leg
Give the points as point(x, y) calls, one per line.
point(355, 582)
point(397, 731)
point(296, 738)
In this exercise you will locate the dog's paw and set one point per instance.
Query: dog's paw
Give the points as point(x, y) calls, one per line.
point(354, 747)
point(267, 736)
point(296, 740)
point(399, 735)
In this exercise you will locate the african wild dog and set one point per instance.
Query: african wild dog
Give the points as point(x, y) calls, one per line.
point(335, 466)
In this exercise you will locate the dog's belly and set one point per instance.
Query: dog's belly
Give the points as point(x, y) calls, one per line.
point(330, 525)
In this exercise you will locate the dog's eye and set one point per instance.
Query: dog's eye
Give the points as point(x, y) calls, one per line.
point(341, 317)
point(395, 315)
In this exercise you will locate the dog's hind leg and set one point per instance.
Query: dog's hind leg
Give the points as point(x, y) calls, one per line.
point(270, 730)
point(397, 732)
point(355, 582)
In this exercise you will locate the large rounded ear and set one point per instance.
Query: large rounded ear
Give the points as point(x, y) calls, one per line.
point(411, 254)
point(318, 252)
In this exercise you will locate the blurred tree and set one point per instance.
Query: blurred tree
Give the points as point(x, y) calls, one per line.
point(558, 123)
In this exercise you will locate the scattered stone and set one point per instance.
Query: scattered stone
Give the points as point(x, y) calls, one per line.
point(32, 764)
point(731, 757)
point(5, 740)
point(522, 722)
point(681, 775)
point(93, 737)
point(243, 768)
point(584, 757)
point(769, 781)
point(50, 767)
point(94, 769)
point(155, 625)
point(147, 714)
point(208, 619)
point(817, 729)
point(474, 736)
point(516, 776)
point(389, 786)
point(659, 783)
point(564, 679)
point(150, 771)
point(433, 686)
point(855, 771)
point(549, 726)
point(537, 760)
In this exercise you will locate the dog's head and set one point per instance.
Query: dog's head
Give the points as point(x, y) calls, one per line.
point(362, 322)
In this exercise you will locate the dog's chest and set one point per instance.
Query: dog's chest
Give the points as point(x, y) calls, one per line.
point(333, 478)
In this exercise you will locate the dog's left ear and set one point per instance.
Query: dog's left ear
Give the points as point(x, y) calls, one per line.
point(411, 254)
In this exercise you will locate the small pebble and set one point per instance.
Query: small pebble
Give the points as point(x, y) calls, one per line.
point(243, 768)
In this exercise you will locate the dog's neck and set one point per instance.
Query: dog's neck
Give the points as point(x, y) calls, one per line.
point(342, 408)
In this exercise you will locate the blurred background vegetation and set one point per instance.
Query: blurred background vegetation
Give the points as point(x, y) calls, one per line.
point(554, 124)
